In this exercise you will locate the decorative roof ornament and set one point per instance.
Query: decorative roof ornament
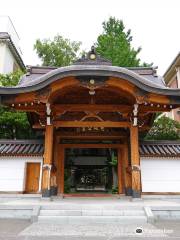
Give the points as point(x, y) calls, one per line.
point(92, 58)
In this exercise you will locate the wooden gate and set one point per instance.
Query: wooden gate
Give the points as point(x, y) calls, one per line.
point(32, 177)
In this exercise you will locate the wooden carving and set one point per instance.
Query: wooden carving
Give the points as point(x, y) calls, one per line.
point(141, 96)
point(43, 95)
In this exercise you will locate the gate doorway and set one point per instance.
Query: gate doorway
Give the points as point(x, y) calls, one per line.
point(91, 168)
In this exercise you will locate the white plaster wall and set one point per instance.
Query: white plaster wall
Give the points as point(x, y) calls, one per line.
point(2, 56)
point(160, 174)
point(8, 61)
point(13, 173)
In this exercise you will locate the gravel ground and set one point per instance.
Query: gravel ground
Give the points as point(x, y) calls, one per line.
point(25, 230)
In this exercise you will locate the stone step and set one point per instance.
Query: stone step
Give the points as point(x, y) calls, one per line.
point(89, 207)
point(101, 212)
point(92, 219)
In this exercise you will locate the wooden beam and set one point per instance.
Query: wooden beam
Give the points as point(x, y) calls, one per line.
point(40, 109)
point(91, 108)
point(92, 145)
point(91, 124)
point(135, 162)
point(88, 124)
point(59, 109)
point(153, 109)
point(92, 137)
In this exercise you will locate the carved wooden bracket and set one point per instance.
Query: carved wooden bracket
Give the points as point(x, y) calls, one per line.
point(92, 82)
point(136, 168)
point(47, 167)
point(43, 95)
point(91, 115)
point(141, 96)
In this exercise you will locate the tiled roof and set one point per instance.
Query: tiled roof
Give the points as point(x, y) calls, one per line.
point(143, 78)
point(36, 148)
point(35, 72)
point(160, 149)
point(21, 147)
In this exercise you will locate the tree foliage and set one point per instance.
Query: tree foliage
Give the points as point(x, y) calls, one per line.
point(58, 52)
point(115, 44)
point(10, 79)
point(13, 124)
point(164, 128)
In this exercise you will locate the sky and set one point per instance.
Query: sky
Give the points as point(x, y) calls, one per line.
point(155, 24)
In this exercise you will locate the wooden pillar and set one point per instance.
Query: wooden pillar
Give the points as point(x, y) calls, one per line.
point(54, 167)
point(127, 171)
point(61, 170)
point(135, 162)
point(47, 161)
point(60, 167)
point(120, 171)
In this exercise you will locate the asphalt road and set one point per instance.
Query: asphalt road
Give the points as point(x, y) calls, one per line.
point(25, 230)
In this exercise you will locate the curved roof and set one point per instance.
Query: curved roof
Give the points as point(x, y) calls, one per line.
point(146, 83)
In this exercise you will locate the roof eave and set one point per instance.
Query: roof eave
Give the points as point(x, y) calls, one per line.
point(171, 69)
point(14, 51)
point(89, 70)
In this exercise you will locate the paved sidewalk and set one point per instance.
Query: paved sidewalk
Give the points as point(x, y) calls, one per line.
point(24, 230)
point(108, 231)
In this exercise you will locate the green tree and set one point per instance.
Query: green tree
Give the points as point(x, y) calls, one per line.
point(115, 44)
point(164, 128)
point(58, 52)
point(10, 79)
point(13, 124)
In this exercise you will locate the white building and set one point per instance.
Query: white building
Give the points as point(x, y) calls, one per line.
point(10, 52)
point(172, 79)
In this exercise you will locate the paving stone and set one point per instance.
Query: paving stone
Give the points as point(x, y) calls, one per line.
point(91, 230)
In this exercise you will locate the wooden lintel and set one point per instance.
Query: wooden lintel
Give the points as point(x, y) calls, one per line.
point(91, 145)
point(90, 137)
point(105, 124)
point(91, 107)
point(153, 109)
point(33, 108)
